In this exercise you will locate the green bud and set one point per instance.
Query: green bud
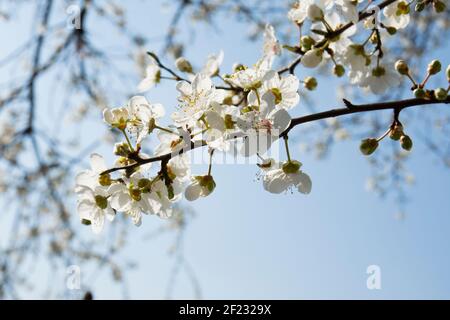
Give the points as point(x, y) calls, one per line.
point(396, 133)
point(368, 146)
point(86, 222)
point(419, 93)
point(440, 94)
point(307, 42)
point(310, 83)
point(104, 180)
point(339, 70)
point(101, 202)
point(447, 72)
point(439, 6)
point(434, 67)
point(391, 30)
point(402, 67)
point(406, 143)
point(291, 166)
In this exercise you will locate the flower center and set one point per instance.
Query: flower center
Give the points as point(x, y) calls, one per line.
point(101, 202)
point(277, 94)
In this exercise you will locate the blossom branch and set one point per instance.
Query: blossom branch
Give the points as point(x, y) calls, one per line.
point(397, 106)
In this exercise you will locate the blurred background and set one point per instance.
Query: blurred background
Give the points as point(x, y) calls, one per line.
point(391, 210)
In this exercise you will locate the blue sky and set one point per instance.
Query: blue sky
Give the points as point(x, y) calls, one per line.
point(247, 243)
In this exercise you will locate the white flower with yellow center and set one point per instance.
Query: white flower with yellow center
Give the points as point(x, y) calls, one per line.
point(381, 78)
point(284, 90)
point(283, 177)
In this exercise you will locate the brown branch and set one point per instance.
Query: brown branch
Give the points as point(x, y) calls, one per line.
point(397, 106)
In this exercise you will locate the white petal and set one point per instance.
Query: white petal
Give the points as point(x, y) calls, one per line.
point(98, 164)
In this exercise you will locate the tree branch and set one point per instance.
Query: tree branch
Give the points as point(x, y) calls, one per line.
point(397, 106)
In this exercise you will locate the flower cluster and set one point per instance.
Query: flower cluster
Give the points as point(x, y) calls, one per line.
point(249, 110)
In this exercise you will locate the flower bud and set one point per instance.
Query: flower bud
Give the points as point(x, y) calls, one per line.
point(434, 67)
point(183, 65)
point(312, 58)
point(402, 67)
point(315, 13)
point(86, 222)
point(310, 83)
point(307, 42)
point(391, 30)
point(447, 72)
point(440, 94)
point(368, 146)
point(406, 143)
point(339, 70)
point(419, 93)
point(439, 6)
point(144, 183)
point(396, 133)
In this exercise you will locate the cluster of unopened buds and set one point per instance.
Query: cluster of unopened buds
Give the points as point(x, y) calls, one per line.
point(248, 112)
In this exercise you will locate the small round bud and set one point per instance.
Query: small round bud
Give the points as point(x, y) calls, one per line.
point(406, 143)
point(315, 13)
point(447, 72)
point(402, 67)
point(434, 67)
point(368, 146)
point(310, 83)
point(307, 42)
point(439, 6)
point(86, 222)
point(391, 30)
point(419, 93)
point(440, 94)
point(339, 70)
point(396, 133)
point(183, 65)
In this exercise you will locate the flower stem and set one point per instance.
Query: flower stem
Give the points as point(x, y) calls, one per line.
point(211, 152)
point(128, 140)
point(165, 130)
point(286, 144)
